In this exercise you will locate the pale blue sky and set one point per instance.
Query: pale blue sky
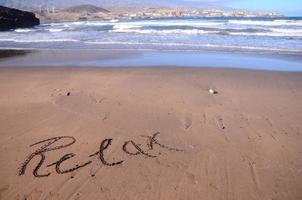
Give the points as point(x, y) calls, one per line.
point(288, 7)
point(291, 7)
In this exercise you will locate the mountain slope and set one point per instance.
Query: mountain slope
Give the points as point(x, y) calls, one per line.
point(86, 8)
point(60, 4)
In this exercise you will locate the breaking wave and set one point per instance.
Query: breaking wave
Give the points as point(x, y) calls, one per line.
point(253, 34)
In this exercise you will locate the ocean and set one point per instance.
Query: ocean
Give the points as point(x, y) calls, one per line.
point(262, 36)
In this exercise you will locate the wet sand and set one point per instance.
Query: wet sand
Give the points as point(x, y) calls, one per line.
point(12, 53)
point(150, 133)
point(149, 58)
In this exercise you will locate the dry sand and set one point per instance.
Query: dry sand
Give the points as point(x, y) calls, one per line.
point(243, 143)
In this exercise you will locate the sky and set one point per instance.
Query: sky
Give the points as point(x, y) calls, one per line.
point(290, 7)
point(287, 7)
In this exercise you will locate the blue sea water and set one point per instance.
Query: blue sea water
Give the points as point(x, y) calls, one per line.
point(244, 34)
point(264, 36)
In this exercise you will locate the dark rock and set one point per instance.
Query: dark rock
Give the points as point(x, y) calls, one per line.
point(12, 18)
point(8, 53)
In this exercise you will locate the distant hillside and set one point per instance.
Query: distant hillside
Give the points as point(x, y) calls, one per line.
point(63, 4)
point(88, 8)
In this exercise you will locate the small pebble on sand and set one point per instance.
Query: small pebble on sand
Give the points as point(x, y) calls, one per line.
point(212, 91)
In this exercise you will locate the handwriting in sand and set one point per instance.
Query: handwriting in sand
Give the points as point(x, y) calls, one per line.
point(56, 143)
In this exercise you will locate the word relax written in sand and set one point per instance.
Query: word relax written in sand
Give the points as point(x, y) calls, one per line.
point(56, 143)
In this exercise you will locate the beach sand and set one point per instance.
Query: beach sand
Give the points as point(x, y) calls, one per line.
point(150, 133)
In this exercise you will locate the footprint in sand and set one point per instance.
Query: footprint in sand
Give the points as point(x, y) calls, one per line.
point(254, 174)
point(106, 116)
point(269, 122)
point(244, 121)
point(192, 178)
point(3, 189)
point(61, 92)
point(204, 118)
point(219, 122)
point(102, 99)
point(35, 194)
point(188, 122)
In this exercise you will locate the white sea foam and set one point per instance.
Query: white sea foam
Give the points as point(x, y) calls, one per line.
point(267, 23)
point(54, 30)
point(281, 32)
point(38, 40)
point(174, 31)
point(6, 40)
point(168, 23)
point(23, 30)
point(193, 45)
point(124, 26)
point(77, 23)
point(271, 34)
point(98, 23)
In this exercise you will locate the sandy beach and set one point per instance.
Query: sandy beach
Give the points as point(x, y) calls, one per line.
point(150, 133)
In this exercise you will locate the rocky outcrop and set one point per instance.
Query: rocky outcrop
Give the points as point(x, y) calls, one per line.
point(12, 18)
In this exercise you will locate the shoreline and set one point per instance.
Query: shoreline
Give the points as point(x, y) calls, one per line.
point(142, 68)
point(147, 58)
